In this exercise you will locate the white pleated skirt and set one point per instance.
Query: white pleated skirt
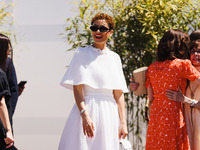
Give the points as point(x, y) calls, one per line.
point(103, 111)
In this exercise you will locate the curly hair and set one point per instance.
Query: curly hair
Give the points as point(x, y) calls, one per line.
point(109, 20)
point(173, 44)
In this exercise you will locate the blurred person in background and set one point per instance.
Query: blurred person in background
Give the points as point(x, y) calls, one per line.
point(15, 89)
point(167, 128)
point(192, 99)
point(6, 136)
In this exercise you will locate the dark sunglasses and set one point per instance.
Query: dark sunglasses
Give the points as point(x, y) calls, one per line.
point(193, 51)
point(101, 28)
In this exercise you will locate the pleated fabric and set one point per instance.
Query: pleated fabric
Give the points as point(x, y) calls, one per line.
point(103, 111)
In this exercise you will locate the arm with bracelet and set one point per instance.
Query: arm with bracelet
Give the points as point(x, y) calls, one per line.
point(88, 127)
point(4, 112)
point(179, 97)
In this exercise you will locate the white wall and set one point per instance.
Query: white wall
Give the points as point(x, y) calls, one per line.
point(41, 59)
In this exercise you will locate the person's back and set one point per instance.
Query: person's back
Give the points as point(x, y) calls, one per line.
point(12, 81)
point(169, 74)
point(166, 129)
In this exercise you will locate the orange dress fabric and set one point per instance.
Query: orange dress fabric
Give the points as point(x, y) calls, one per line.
point(167, 129)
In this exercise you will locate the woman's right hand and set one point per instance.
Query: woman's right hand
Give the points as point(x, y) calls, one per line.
point(123, 132)
point(175, 95)
point(9, 140)
point(134, 85)
point(88, 127)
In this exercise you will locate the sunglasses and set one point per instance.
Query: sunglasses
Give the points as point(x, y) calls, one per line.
point(101, 28)
point(193, 51)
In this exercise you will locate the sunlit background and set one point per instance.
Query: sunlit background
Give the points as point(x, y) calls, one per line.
point(40, 58)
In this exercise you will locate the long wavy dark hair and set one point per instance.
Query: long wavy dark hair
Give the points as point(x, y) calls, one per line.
point(5, 44)
point(174, 44)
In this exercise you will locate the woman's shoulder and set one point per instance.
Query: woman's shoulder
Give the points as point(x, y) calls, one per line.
point(180, 64)
point(2, 75)
point(113, 54)
point(182, 61)
point(154, 64)
point(83, 49)
point(2, 72)
point(91, 50)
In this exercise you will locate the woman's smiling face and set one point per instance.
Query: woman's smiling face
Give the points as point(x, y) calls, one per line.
point(195, 56)
point(98, 36)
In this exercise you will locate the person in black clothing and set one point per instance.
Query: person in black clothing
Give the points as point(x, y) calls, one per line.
point(6, 136)
point(12, 81)
point(15, 89)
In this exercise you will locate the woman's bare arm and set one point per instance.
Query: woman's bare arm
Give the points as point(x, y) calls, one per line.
point(6, 123)
point(119, 97)
point(178, 96)
point(88, 127)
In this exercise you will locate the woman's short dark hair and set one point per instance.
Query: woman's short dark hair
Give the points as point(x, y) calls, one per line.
point(173, 44)
point(109, 20)
point(195, 35)
point(5, 44)
point(194, 44)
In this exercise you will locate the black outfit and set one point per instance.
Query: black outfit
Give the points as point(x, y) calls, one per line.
point(4, 92)
point(13, 86)
point(12, 81)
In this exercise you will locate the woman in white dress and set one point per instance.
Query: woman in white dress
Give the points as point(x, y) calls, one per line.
point(97, 120)
point(192, 101)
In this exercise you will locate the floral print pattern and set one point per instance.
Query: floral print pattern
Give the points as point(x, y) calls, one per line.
point(167, 129)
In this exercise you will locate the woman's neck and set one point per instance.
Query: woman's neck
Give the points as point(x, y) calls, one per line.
point(100, 46)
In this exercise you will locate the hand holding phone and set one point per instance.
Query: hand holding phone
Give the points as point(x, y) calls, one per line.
point(21, 87)
point(22, 83)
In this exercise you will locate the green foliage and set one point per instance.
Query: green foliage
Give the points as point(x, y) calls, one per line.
point(139, 27)
point(5, 17)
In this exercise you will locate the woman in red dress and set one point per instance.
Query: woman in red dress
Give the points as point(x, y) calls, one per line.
point(167, 129)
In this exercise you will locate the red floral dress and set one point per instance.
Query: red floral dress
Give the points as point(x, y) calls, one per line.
point(167, 129)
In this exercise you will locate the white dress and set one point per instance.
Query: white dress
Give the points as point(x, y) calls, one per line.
point(102, 109)
point(100, 72)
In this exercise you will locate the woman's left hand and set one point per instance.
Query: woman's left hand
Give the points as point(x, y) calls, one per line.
point(134, 85)
point(175, 95)
point(123, 132)
point(9, 140)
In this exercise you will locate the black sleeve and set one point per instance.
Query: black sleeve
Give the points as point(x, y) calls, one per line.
point(4, 87)
point(12, 81)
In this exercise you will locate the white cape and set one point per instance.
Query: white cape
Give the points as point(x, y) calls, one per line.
point(101, 69)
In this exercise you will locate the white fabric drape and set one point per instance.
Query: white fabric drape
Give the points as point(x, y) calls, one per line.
point(100, 69)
